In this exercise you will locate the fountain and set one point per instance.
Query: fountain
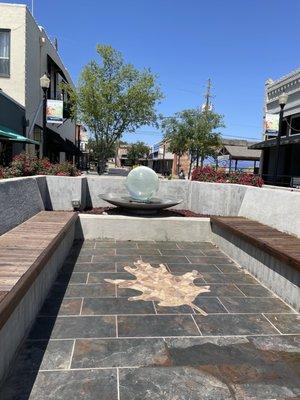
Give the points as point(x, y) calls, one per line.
point(142, 184)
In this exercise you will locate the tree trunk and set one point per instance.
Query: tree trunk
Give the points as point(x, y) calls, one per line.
point(197, 164)
point(202, 161)
point(190, 167)
point(178, 164)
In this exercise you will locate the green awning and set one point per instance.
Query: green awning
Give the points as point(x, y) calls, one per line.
point(13, 136)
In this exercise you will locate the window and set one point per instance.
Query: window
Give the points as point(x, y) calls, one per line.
point(4, 52)
point(295, 125)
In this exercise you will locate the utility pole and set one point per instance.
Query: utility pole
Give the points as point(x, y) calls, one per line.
point(32, 3)
point(208, 96)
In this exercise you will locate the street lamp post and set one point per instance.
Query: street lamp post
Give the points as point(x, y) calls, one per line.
point(282, 102)
point(45, 83)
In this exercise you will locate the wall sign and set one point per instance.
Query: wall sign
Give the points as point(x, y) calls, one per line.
point(55, 111)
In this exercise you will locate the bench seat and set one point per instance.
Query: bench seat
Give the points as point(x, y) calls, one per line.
point(280, 245)
point(24, 251)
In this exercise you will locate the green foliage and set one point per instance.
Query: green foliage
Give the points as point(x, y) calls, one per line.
point(95, 148)
point(137, 151)
point(28, 165)
point(194, 131)
point(112, 98)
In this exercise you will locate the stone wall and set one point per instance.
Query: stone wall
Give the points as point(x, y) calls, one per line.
point(20, 199)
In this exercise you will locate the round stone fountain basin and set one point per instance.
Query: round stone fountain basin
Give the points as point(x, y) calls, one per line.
point(137, 207)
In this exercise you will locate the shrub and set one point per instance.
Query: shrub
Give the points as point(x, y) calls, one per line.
point(210, 174)
point(28, 165)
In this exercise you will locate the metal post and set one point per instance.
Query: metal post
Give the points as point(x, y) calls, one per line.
point(277, 150)
point(42, 145)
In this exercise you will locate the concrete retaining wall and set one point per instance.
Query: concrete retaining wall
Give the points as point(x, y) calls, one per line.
point(62, 190)
point(277, 208)
point(216, 198)
point(138, 228)
point(20, 200)
point(19, 323)
point(274, 274)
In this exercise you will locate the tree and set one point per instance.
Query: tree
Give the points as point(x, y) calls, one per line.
point(137, 151)
point(175, 136)
point(195, 131)
point(112, 98)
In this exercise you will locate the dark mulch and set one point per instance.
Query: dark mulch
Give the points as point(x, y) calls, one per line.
point(162, 213)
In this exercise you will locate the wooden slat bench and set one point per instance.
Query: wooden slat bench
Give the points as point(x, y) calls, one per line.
point(280, 245)
point(24, 251)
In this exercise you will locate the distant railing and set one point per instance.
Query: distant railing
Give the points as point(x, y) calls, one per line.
point(282, 180)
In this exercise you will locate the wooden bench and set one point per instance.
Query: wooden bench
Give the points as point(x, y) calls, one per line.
point(280, 245)
point(24, 252)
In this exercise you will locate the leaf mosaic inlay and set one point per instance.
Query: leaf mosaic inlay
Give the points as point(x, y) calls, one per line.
point(158, 284)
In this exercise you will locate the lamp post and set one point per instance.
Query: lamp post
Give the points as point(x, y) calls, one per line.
point(282, 102)
point(45, 83)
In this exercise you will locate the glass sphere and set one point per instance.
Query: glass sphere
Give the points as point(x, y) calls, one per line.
point(142, 183)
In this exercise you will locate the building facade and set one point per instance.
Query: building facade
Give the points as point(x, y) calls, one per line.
point(27, 53)
point(289, 150)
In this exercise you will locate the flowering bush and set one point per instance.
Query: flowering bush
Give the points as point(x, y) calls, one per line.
point(210, 174)
point(27, 165)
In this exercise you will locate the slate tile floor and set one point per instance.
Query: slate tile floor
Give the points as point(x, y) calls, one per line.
point(89, 342)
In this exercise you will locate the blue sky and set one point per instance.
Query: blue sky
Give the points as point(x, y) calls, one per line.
point(237, 43)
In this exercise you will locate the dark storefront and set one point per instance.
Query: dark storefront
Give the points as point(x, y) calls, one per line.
point(289, 159)
point(12, 129)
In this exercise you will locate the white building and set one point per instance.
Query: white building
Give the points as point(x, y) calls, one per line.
point(26, 53)
point(288, 154)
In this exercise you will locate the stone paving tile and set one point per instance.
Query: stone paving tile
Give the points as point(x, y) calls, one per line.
point(234, 324)
point(121, 265)
point(78, 258)
point(137, 252)
point(98, 277)
point(228, 268)
point(237, 278)
point(192, 252)
point(211, 305)
point(62, 385)
point(107, 245)
point(182, 383)
point(156, 326)
point(71, 278)
point(180, 269)
point(127, 293)
point(73, 327)
point(45, 355)
point(252, 367)
point(116, 307)
point(114, 259)
point(220, 289)
point(164, 259)
point(255, 291)
point(174, 360)
point(208, 260)
point(57, 306)
point(104, 251)
point(121, 243)
point(196, 245)
point(286, 323)
point(167, 245)
point(174, 310)
point(105, 353)
point(157, 246)
point(254, 305)
point(108, 266)
point(92, 290)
